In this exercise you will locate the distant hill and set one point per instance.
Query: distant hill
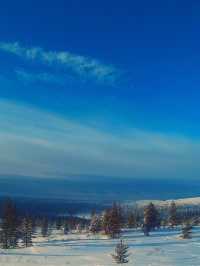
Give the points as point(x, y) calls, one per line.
point(95, 189)
point(184, 202)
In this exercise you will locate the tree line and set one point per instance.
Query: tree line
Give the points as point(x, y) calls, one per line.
point(18, 229)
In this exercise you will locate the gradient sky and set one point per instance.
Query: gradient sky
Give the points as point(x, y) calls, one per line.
point(100, 88)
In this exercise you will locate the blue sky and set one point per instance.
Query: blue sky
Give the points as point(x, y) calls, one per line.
point(100, 88)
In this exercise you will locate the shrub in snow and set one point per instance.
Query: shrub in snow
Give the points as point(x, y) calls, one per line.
point(121, 253)
point(186, 231)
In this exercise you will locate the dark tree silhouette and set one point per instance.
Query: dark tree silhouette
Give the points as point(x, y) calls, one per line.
point(9, 233)
point(151, 218)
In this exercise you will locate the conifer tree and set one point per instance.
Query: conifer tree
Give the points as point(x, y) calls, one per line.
point(150, 218)
point(173, 216)
point(121, 253)
point(45, 227)
point(27, 230)
point(58, 223)
point(112, 221)
point(66, 228)
point(131, 223)
point(95, 224)
point(9, 233)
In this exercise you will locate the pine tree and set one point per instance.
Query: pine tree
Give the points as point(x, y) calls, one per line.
point(27, 230)
point(58, 223)
point(45, 227)
point(131, 223)
point(173, 216)
point(95, 224)
point(66, 228)
point(121, 253)
point(106, 221)
point(186, 231)
point(150, 218)
point(9, 233)
point(112, 221)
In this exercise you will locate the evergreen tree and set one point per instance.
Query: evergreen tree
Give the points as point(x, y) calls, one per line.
point(106, 221)
point(150, 218)
point(173, 216)
point(95, 224)
point(45, 227)
point(112, 221)
point(9, 233)
point(186, 231)
point(66, 228)
point(27, 230)
point(58, 223)
point(121, 253)
point(131, 223)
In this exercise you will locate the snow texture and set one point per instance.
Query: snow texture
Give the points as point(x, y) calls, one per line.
point(162, 248)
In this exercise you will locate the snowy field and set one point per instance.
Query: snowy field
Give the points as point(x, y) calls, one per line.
point(162, 248)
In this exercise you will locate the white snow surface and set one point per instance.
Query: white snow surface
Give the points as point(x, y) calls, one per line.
point(187, 202)
point(163, 248)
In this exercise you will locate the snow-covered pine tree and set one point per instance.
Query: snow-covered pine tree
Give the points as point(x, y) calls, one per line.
point(173, 215)
point(121, 253)
point(186, 231)
point(150, 218)
point(9, 232)
point(27, 230)
point(95, 224)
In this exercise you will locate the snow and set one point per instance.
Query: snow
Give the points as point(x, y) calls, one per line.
point(186, 202)
point(163, 248)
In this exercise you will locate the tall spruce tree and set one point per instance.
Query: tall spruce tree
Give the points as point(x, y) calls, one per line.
point(121, 253)
point(9, 232)
point(27, 230)
point(112, 221)
point(150, 218)
point(173, 215)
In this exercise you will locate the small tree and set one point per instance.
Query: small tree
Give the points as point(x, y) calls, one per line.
point(121, 253)
point(44, 227)
point(27, 230)
point(173, 216)
point(186, 231)
point(131, 223)
point(66, 228)
point(58, 223)
point(95, 224)
point(150, 218)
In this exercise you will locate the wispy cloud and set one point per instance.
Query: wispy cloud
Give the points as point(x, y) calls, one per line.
point(37, 143)
point(84, 67)
point(44, 77)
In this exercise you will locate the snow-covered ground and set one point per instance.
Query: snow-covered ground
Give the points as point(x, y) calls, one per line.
point(162, 248)
point(187, 202)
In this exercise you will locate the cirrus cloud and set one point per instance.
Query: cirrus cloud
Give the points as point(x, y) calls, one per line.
point(82, 66)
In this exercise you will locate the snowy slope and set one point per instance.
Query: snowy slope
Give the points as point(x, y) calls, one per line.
point(162, 248)
point(187, 202)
